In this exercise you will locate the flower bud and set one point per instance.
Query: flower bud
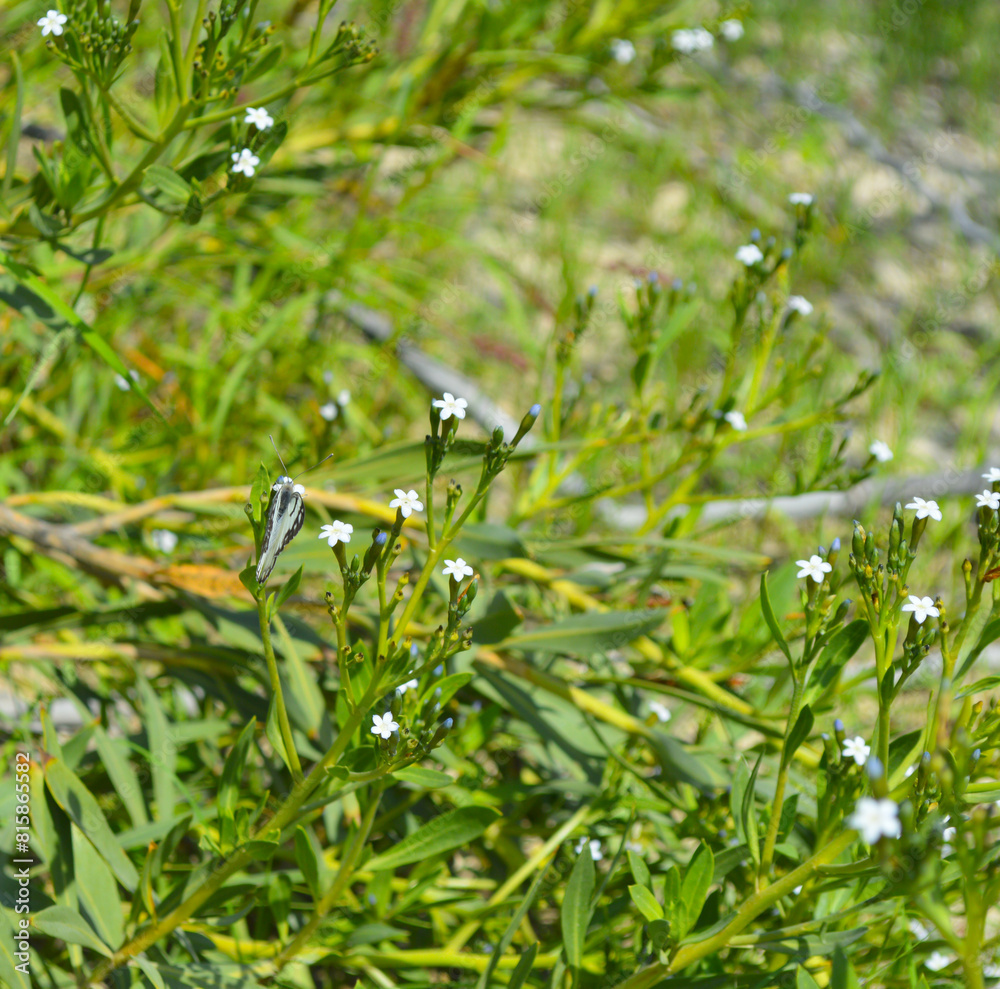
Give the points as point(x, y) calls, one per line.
point(526, 423)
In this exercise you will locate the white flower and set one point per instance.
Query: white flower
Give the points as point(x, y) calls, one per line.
point(329, 411)
point(164, 540)
point(407, 502)
point(856, 749)
point(245, 161)
point(450, 406)
point(910, 770)
point(875, 819)
point(343, 397)
point(801, 198)
point(880, 451)
point(457, 569)
point(622, 51)
point(691, 40)
point(296, 488)
point(52, 23)
point(336, 532)
point(661, 711)
point(731, 30)
point(948, 834)
point(124, 383)
point(988, 499)
point(921, 608)
point(595, 848)
point(814, 567)
point(800, 305)
point(925, 509)
point(993, 475)
point(749, 254)
point(736, 420)
point(409, 685)
point(937, 960)
point(259, 117)
point(918, 930)
point(383, 725)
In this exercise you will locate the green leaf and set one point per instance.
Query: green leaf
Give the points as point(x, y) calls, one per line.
point(169, 182)
point(500, 620)
point(123, 777)
point(841, 647)
point(741, 779)
point(842, 974)
point(67, 925)
point(97, 891)
point(264, 64)
point(673, 908)
point(272, 729)
point(639, 869)
point(151, 972)
point(234, 771)
point(748, 813)
point(577, 907)
point(800, 732)
point(427, 779)
point(450, 830)
point(694, 888)
point(678, 763)
point(162, 749)
point(259, 492)
point(9, 975)
point(987, 683)
point(488, 541)
point(646, 903)
point(583, 635)
point(450, 685)
point(77, 801)
point(523, 968)
point(309, 858)
point(288, 589)
point(31, 297)
point(771, 619)
point(803, 980)
point(512, 928)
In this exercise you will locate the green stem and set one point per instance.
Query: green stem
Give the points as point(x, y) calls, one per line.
point(242, 857)
point(332, 896)
point(752, 908)
point(767, 855)
point(276, 690)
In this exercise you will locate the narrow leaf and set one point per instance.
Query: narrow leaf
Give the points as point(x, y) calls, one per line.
point(577, 907)
point(450, 830)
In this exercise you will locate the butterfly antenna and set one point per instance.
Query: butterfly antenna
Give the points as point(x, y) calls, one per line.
point(314, 466)
point(282, 462)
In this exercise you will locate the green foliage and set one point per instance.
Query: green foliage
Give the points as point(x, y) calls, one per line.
point(225, 810)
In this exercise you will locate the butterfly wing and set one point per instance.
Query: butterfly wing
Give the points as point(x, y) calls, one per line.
point(284, 519)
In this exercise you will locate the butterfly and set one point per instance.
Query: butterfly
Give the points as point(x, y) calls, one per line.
point(285, 516)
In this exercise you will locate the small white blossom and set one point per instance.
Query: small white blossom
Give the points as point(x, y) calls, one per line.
point(343, 397)
point(988, 499)
point(800, 304)
point(329, 411)
point(921, 608)
point(691, 40)
point(937, 960)
point(918, 930)
point(409, 685)
point(801, 199)
point(407, 502)
point(814, 567)
point(622, 51)
point(993, 475)
point(384, 725)
point(336, 532)
point(245, 161)
point(948, 834)
point(857, 749)
point(731, 30)
point(925, 509)
point(661, 711)
point(875, 819)
point(749, 254)
point(259, 117)
point(595, 848)
point(880, 451)
point(450, 406)
point(457, 569)
point(52, 23)
point(164, 540)
point(910, 770)
point(736, 420)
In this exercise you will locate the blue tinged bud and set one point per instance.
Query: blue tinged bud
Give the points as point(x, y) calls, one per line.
point(382, 538)
point(835, 545)
point(677, 285)
point(874, 768)
point(448, 722)
point(754, 235)
point(535, 409)
point(653, 277)
point(838, 725)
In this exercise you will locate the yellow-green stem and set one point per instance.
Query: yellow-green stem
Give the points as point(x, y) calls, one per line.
point(277, 693)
